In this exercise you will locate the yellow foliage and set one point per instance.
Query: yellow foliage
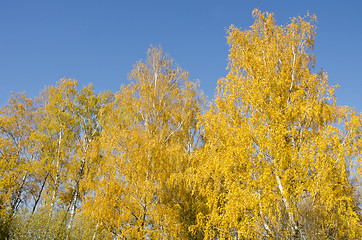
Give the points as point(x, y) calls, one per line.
point(278, 150)
point(274, 157)
point(146, 141)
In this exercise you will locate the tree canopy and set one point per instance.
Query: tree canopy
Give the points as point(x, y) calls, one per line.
point(273, 156)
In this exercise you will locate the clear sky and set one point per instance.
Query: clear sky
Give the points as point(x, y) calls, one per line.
point(98, 42)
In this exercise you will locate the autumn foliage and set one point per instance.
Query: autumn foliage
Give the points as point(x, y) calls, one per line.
point(271, 157)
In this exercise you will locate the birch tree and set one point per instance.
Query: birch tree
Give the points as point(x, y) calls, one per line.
point(147, 138)
point(16, 156)
point(279, 152)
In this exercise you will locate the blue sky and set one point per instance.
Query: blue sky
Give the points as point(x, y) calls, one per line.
point(98, 42)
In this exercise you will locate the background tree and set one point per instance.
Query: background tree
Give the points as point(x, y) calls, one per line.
point(16, 156)
point(54, 136)
point(279, 152)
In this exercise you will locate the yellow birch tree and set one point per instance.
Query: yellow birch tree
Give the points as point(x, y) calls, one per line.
point(16, 156)
point(64, 125)
point(279, 152)
point(148, 134)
